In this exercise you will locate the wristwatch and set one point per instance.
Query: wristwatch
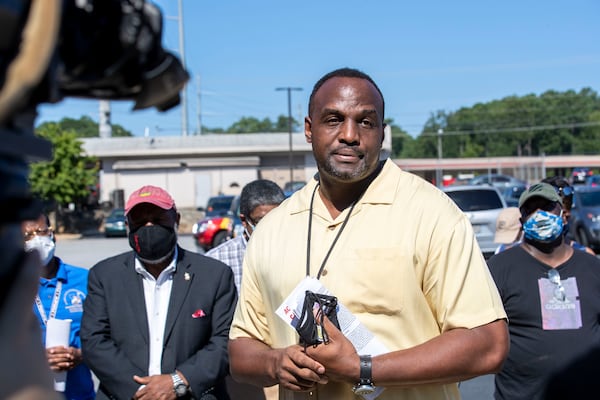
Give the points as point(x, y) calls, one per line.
point(179, 387)
point(365, 385)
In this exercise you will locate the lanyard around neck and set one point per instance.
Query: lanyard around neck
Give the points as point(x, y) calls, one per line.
point(310, 213)
point(53, 307)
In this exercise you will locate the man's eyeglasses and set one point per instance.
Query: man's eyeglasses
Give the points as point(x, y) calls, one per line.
point(559, 291)
point(38, 232)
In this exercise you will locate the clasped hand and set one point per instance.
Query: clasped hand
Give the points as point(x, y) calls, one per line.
point(301, 368)
point(63, 358)
point(155, 387)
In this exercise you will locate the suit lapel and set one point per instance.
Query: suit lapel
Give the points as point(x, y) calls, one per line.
point(182, 281)
point(133, 286)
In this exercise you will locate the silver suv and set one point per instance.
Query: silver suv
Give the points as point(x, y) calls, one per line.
point(481, 204)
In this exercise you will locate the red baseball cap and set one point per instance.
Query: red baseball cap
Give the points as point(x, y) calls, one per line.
point(150, 194)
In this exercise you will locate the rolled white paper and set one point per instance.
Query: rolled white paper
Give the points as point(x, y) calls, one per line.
point(58, 332)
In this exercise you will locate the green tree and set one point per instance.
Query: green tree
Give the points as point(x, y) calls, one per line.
point(85, 127)
point(68, 177)
point(251, 125)
point(400, 138)
point(254, 125)
point(206, 129)
point(552, 123)
point(282, 124)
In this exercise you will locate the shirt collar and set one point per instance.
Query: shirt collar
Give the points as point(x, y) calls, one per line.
point(378, 192)
point(61, 273)
point(170, 269)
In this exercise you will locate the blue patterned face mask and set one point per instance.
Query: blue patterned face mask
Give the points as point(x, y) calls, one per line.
point(543, 226)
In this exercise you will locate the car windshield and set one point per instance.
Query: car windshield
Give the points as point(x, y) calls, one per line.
point(589, 199)
point(475, 200)
point(219, 203)
point(117, 213)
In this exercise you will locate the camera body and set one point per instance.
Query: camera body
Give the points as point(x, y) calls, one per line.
point(49, 50)
point(52, 49)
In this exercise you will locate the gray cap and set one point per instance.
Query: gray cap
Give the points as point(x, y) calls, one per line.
point(542, 190)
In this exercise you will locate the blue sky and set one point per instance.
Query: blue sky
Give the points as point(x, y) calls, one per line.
point(424, 55)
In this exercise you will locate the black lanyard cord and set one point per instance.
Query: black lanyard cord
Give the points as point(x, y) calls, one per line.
point(312, 200)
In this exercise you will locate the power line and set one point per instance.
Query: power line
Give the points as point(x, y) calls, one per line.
point(516, 129)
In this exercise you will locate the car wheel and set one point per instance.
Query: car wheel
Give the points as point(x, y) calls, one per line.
point(220, 237)
point(582, 237)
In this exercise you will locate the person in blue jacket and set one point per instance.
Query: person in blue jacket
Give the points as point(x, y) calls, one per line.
point(61, 292)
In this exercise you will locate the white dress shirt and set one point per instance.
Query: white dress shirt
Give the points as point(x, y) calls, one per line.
point(157, 293)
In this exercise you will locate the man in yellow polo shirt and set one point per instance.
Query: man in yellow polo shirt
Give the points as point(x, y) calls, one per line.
point(394, 250)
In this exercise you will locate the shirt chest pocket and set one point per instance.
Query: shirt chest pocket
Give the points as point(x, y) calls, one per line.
point(375, 280)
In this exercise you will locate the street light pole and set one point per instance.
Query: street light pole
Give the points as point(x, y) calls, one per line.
point(289, 100)
point(439, 178)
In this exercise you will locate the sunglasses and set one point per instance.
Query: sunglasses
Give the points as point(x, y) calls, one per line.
point(559, 290)
point(38, 232)
point(565, 191)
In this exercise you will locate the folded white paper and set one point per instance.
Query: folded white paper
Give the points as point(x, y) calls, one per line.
point(360, 336)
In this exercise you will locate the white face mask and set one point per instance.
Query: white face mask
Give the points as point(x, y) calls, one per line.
point(45, 247)
point(246, 231)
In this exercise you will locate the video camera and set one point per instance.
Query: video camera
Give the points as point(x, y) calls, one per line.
point(52, 49)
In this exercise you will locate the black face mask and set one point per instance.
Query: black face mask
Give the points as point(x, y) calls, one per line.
point(153, 243)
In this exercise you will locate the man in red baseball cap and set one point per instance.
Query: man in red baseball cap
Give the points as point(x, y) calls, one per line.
point(157, 319)
point(150, 194)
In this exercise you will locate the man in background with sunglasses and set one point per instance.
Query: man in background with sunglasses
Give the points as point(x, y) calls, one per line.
point(256, 200)
point(565, 191)
point(551, 296)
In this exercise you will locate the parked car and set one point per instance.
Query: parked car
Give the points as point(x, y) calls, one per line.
point(497, 180)
point(584, 224)
point(290, 187)
point(481, 204)
point(593, 180)
point(114, 223)
point(512, 194)
point(217, 205)
point(580, 174)
point(221, 226)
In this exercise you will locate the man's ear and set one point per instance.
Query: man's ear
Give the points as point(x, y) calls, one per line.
point(383, 132)
point(308, 129)
point(243, 221)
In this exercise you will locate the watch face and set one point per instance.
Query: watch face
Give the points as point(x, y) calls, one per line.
point(363, 389)
point(180, 389)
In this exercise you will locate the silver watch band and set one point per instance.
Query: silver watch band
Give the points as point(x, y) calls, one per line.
point(176, 379)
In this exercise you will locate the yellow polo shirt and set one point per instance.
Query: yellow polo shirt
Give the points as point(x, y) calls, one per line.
point(407, 265)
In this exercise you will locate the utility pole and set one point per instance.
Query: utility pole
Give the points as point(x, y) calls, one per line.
point(439, 176)
point(198, 108)
point(105, 129)
point(289, 100)
point(184, 105)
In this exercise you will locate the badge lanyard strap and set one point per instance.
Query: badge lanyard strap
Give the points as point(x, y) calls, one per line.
point(53, 307)
point(310, 213)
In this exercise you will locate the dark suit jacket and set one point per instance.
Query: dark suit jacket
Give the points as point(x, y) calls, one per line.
point(114, 328)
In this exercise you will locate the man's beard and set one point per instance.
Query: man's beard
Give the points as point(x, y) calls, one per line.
point(330, 169)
